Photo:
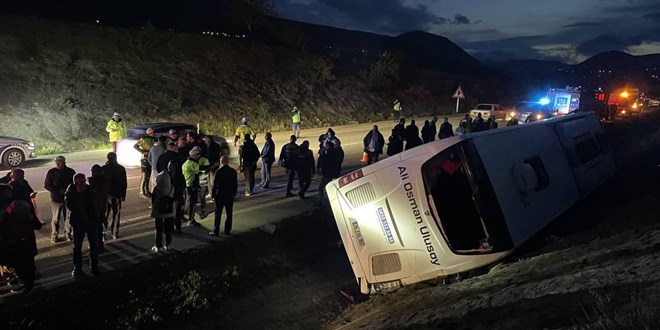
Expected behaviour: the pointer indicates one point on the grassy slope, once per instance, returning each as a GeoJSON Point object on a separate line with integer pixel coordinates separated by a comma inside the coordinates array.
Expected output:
{"type": "Point", "coordinates": [60, 82]}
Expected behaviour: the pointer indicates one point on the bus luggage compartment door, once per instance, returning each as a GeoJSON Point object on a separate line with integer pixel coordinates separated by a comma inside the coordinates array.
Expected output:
{"type": "Point", "coordinates": [587, 152]}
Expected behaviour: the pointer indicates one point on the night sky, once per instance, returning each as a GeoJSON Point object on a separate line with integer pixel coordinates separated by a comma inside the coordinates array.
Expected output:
{"type": "Point", "coordinates": [565, 30]}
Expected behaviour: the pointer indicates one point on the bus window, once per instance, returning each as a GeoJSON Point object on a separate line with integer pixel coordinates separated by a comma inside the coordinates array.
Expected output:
{"type": "Point", "coordinates": [468, 213]}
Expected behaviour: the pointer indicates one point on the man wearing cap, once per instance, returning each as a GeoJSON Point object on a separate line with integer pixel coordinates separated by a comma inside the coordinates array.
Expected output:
{"type": "Point", "coordinates": [116, 130]}
{"type": "Point", "coordinates": [239, 138]}
{"type": "Point", "coordinates": [174, 136]}
{"type": "Point", "coordinates": [57, 180]}
{"type": "Point", "coordinates": [191, 170]}
{"type": "Point", "coordinates": [295, 122]}
{"type": "Point", "coordinates": [143, 146]}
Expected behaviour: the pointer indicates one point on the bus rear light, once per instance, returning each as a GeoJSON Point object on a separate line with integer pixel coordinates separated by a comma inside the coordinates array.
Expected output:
{"type": "Point", "coordinates": [350, 177]}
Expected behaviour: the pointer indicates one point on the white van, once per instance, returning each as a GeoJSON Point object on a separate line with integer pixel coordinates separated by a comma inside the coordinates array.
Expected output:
{"type": "Point", "coordinates": [458, 204]}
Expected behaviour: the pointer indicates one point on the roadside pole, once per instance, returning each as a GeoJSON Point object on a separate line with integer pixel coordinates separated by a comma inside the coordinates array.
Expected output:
{"type": "Point", "coordinates": [458, 95]}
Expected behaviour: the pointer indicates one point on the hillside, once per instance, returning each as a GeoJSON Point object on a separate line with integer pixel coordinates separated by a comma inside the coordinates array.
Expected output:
{"type": "Point", "coordinates": [60, 83]}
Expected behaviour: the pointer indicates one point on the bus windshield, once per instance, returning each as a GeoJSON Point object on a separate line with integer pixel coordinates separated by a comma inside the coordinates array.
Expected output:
{"type": "Point", "coordinates": [468, 213]}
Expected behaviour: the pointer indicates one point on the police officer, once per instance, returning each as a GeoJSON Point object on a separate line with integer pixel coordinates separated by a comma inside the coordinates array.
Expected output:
{"type": "Point", "coordinates": [295, 119]}
{"type": "Point", "coordinates": [143, 146]}
{"type": "Point", "coordinates": [191, 172]}
{"type": "Point", "coordinates": [239, 138]}
{"type": "Point", "coordinates": [116, 129]}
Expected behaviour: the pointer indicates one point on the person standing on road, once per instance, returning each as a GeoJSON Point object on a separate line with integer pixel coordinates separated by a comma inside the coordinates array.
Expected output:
{"type": "Point", "coordinates": [143, 146]}
{"type": "Point", "coordinates": [373, 144]}
{"type": "Point", "coordinates": [427, 132]}
{"type": "Point", "coordinates": [330, 164]}
{"type": "Point", "coordinates": [191, 174]}
{"type": "Point", "coordinates": [446, 130]}
{"type": "Point", "coordinates": [225, 188]}
{"type": "Point", "coordinates": [155, 152]}
{"type": "Point", "coordinates": [492, 124]}
{"type": "Point", "coordinates": [267, 160]}
{"type": "Point", "coordinates": [396, 110]}
{"type": "Point", "coordinates": [177, 181]}
{"type": "Point", "coordinates": [99, 185]}
{"type": "Point", "coordinates": [117, 186]}
{"type": "Point", "coordinates": [85, 220]}
{"type": "Point", "coordinates": [305, 168]}
{"type": "Point", "coordinates": [239, 138]}
{"type": "Point", "coordinates": [163, 207]}
{"type": "Point", "coordinates": [213, 155]}
{"type": "Point", "coordinates": [477, 123]}
{"type": "Point", "coordinates": [433, 128]}
{"type": "Point", "coordinates": [18, 222]}
{"type": "Point", "coordinates": [57, 180]}
{"type": "Point", "coordinates": [288, 158]}
{"type": "Point", "coordinates": [412, 135]}
{"type": "Point", "coordinates": [295, 119]}
{"type": "Point", "coordinates": [116, 129]}
{"type": "Point", "coordinates": [250, 157]}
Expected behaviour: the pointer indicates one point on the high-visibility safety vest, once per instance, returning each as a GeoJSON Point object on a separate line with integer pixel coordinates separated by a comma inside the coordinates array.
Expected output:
{"type": "Point", "coordinates": [190, 169]}
{"type": "Point", "coordinates": [116, 130]}
{"type": "Point", "coordinates": [397, 106]}
{"type": "Point", "coordinates": [242, 130]}
{"type": "Point", "coordinates": [296, 117]}
{"type": "Point", "coordinates": [145, 144]}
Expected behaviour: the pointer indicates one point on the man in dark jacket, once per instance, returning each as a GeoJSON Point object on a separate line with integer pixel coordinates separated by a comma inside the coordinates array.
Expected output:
{"type": "Point", "coordinates": [445, 129]}
{"type": "Point", "coordinates": [427, 132]}
{"type": "Point", "coordinates": [213, 155]}
{"type": "Point", "coordinates": [57, 180]}
{"type": "Point", "coordinates": [330, 164]}
{"type": "Point", "coordinates": [412, 136]}
{"type": "Point", "coordinates": [85, 220]}
{"type": "Point", "coordinates": [288, 158]}
{"type": "Point", "coordinates": [250, 157]}
{"type": "Point", "coordinates": [399, 130]}
{"type": "Point", "coordinates": [305, 168]}
{"type": "Point", "coordinates": [267, 160]}
{"type": "Point", "coordinates": [117, 185]}
{"type": "Point", "coordinates": [373, 144]}
{"type": "Point", "coordinates": [19, 223]}
{"type": "Point", "coordinates": [225, 188]}
{"type": "Point", "coordinates": [434, 129]}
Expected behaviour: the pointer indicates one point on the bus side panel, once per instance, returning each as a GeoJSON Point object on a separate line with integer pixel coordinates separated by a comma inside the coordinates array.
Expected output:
{"type": "Point", "coordinates": [527, 212]}
{"type": "Point", "coordinates": [591, 161]}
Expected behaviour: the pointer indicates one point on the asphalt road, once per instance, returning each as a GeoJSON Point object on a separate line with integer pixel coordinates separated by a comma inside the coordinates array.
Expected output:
{"type": "Point", "coordinates": [54, 261]}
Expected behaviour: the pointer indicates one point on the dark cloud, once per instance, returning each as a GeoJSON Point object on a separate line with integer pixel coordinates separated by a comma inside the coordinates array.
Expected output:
{"type": "Point", "coordinates": [582, 24]}
{"type": "Point", "coordinates": [384, 16]}
{"type": "Point", "coordinates": [460, 19]}
{"type": "Point", "coordinates": [606, 43]}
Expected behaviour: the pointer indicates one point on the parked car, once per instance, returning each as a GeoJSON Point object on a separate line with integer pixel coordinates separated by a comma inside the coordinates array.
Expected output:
{"type": "Point", "coordinates": [128, 156]}
{"type": "Point", "coordinates": [488, 110]}
{"type": "Point", "coordinates": [14, 151]}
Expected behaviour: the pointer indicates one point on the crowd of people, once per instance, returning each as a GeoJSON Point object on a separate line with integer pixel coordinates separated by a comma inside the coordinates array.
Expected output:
{"type": "Point", "coordinates": [177, 174]}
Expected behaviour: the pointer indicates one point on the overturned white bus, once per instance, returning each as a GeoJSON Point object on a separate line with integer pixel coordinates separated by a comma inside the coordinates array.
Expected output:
{"type": "Point", "coordinates": [461, 203]}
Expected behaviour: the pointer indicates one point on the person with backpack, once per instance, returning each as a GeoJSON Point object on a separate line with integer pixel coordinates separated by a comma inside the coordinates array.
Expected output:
{"type": "Point", "coordinates": [163, 207]}
{"type": "Point", "coordinates": [288, 158]}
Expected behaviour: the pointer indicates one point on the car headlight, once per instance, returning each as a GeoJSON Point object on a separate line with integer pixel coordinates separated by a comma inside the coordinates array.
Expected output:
{"type": "Point", "coordinates": [539, 117]}
{"type": "Point", "coordinates": [513, 114]}
{"type": "Point", "coordinates": [30, 145]}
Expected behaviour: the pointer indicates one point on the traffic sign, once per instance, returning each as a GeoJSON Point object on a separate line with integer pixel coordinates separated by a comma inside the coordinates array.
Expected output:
{"type": "Point", "coordinates": [458, 94]}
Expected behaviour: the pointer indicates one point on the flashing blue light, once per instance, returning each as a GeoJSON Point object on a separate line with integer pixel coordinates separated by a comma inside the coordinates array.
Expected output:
{"type": "Point", "coordinates": [544, 101]}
